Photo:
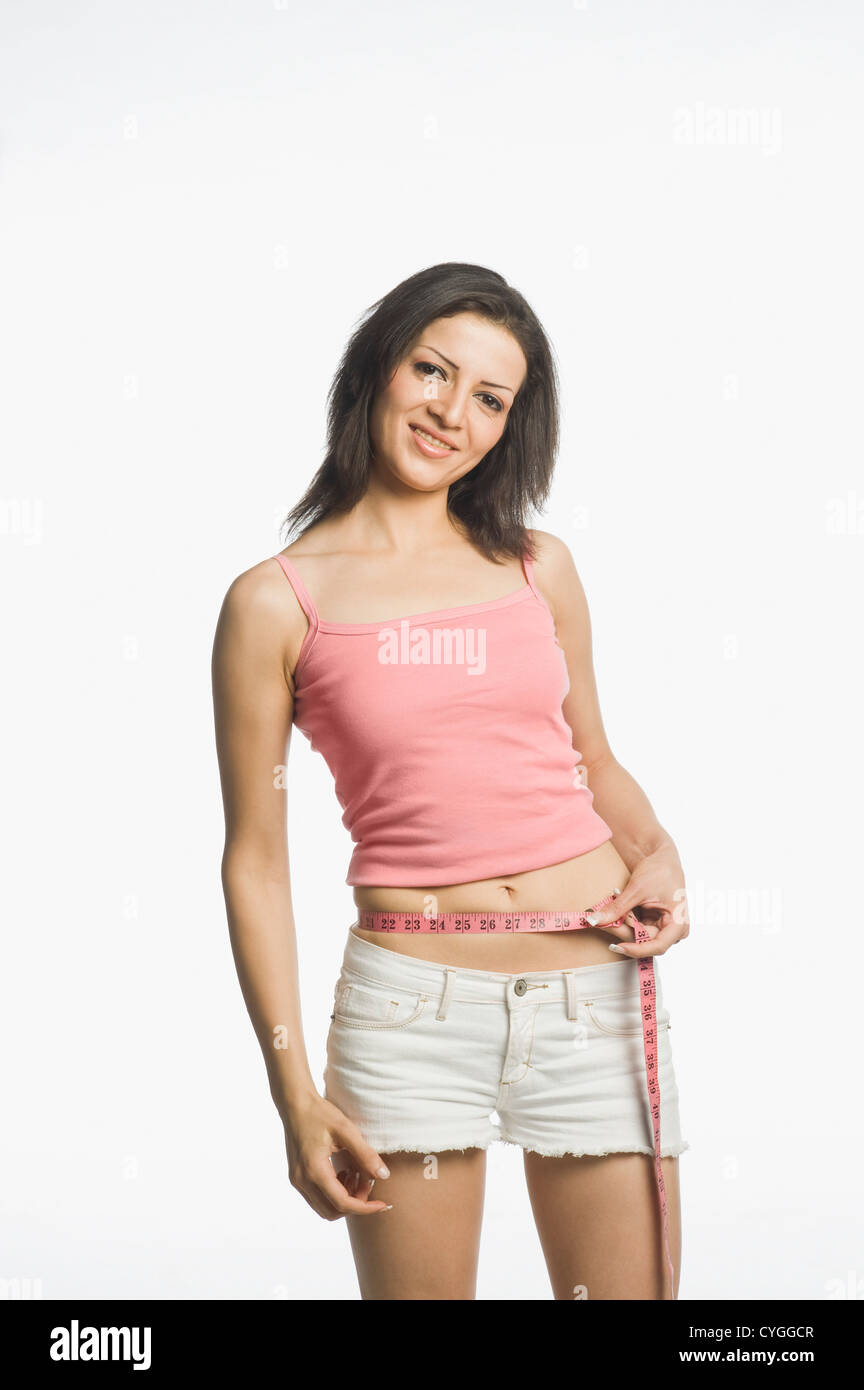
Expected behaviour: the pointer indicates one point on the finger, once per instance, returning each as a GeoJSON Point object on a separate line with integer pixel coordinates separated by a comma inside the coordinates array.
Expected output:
{"type": "Point", "coordinates": [621, 904]}
{"type": "Point", "coordinates": [356, 1183]}
{"type": "Point", "coordinates": [626, 931]}
{"type": "Point", "coordinates": [319, 1204]}
{"type": "Point", "coordinates": [666, 937]}
{"type": "Point", "coordinates": [361, 1186]}
{"type": "Point", "coordinates": [328, 1187]}
{"type": "Point", "coordinates": [363, 1158]}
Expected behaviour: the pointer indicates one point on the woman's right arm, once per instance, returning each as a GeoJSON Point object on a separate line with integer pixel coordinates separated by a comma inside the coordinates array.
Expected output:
{"type": "Point", "coordinates": [258, 636]}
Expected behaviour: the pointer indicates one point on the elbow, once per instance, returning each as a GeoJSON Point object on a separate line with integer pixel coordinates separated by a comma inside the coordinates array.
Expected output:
{"type": "Point", "coordinates": [598, 760]}
{"type": "Point", "coordinates": [245, 863]}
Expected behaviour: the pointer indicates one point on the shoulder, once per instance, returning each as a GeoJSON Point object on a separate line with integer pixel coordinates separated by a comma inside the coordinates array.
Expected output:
{"type": "Point", "coordinates": [549, 549]}
{"type": "Point", "coordinates": [260, 608]}
{"type": "Point", "coordinates": [554, 565]}
{"type": "Point", "coordinates": [258, 591]}
{"type": "Point", "coordinates": [557, 578]}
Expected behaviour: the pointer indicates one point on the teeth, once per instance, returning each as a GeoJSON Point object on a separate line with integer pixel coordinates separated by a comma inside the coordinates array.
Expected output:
{"type": "Point", "coordinates": [431, 438]}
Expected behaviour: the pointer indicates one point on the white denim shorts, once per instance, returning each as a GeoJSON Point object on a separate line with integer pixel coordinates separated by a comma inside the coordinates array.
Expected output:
{"type": "Point", "coordinates": [426, 1057]}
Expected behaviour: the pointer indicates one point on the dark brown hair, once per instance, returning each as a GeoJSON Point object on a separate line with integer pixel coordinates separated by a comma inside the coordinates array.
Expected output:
{"type": "Point", "coordinates": [492, 500]}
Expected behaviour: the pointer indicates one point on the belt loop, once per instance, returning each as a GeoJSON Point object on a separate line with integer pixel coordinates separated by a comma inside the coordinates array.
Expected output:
{"type": "Point", "coordinates": [447, 994]}
{"type": "Point", "coordinates": [572, 1001]}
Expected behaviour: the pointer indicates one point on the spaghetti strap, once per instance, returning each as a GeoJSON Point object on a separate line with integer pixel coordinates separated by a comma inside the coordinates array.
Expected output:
{"type": "Point", "coordinates": [302, 593]}
{"type": "Point", "coordinates": [528, 566]}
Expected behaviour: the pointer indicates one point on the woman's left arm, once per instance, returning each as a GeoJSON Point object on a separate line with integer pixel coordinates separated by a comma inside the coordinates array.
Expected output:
{"type": "Point", "coordinates": [656, 884]}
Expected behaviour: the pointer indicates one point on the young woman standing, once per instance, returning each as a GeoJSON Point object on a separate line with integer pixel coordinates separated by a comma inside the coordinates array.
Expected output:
{"type": "Point", "coordinates": [438, 653]}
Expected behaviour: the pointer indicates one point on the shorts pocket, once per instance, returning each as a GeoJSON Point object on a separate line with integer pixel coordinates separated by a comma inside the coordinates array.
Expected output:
{"type": "Point", "coordinates": [621, 1014]}
{"type": "Point", "coordinates": [367, 1004]}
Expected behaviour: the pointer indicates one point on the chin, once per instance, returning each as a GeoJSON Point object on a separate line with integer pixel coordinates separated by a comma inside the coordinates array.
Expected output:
{"type": "Point", "coordinates": [420, 479]}
{"type": "Point", "coordinates": [419, 484]}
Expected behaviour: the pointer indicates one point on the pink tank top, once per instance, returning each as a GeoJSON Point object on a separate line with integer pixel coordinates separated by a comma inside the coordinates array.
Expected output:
{"type": "Point", "coordinates": [446, 740]}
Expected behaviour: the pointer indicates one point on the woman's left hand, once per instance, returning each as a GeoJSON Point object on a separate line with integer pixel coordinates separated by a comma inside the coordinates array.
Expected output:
{"type": "Point", "coordinates": [656, 887]}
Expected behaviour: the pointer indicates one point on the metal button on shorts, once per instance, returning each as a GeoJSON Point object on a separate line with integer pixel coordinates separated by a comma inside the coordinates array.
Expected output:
{"type": "Point", "coordinates": [520, 987]}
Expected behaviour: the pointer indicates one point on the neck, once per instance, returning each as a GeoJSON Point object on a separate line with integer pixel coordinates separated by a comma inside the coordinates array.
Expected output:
{"type": "Point", "coordinates": [405, 521]}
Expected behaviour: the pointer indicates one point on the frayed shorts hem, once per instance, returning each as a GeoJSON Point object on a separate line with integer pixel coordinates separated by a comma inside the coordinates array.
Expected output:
{"type": "Point", "coordinates": [548, 1151]}
{"type": "Point", "coordinates": [391, 1144]}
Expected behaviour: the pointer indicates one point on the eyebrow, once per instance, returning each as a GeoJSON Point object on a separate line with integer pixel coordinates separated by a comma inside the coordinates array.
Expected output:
{"type": "Point", "coordinates": [497, 386]}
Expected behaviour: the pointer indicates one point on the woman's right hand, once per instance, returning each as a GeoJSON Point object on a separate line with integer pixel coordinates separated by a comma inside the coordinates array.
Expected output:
{"type": "Point", "coordinates": [314, 1130]}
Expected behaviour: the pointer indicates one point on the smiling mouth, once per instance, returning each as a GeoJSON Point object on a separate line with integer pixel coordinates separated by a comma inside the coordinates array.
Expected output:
{"type": "Point", "coordinates": [433, 439]}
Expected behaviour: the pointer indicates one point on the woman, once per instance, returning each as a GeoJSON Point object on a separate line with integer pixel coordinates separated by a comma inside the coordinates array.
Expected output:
{"type": "Point", "coordinates": [438, 654]}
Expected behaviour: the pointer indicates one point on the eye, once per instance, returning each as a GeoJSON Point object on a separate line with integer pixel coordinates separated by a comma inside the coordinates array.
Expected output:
{"type": "Point", "coordinates": [492, 402]}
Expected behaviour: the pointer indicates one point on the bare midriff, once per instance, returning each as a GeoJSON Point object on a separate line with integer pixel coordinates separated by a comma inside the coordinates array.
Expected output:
{"type": "Point", "coordinates": [572, 886]}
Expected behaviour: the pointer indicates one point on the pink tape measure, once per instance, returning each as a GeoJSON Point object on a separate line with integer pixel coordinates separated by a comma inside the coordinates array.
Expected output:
{"type": "Point", "coordinates": [480, 923]}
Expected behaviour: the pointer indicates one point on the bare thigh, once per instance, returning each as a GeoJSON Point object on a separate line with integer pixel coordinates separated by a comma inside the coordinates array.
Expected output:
{"type": "Point", "coordinates": [600, 1226]}
{"type": "Point", "coordinates": [428, 1246]}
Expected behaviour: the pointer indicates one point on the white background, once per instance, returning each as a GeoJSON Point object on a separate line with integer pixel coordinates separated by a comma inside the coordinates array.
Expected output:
{"type": "Point", "coordinates": [198, 202]}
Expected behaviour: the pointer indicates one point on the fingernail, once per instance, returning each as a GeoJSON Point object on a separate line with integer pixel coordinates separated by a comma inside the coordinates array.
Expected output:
{"type": "Point", "coordinates": [388, 1208]}
{"type": "Point", "coordinates": [592, 918]}
{"type": "Point", "coordinates": [383, 1172]}
{"type": "Point", "coordinates": [618, 948]}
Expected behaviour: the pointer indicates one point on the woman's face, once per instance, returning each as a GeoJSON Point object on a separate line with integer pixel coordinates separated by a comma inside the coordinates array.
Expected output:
{"type": "Point", "coordinates": [458, 383]}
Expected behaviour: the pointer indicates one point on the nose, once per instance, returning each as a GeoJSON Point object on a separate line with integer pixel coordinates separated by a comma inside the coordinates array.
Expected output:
{"type": "Point", "coordinates": [449, 407]}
